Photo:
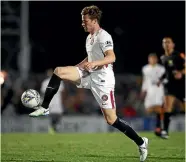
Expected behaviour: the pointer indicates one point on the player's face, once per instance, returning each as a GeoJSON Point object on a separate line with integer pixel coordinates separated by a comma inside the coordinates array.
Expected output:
{"type": "Point", "coordinates": [152, 60]}
{"type": "Point", "coordinates": [87, 23]}
{"type": "Point", "coordinates": [168, 44]}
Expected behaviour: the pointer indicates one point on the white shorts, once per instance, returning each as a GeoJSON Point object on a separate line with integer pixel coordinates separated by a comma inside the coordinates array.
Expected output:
{"type": "Point", "coordinates": [104, 95]}
{"type": "Point", "coordinates": [155, 97]}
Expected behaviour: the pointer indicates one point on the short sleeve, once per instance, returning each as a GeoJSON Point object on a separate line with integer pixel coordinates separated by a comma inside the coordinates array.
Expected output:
{"type": "Point", "coordinates": [106, 42]}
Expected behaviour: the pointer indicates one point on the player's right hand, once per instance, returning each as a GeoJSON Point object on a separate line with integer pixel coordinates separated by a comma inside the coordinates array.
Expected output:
{"type": "Point", "coordinates": [89, 66]}
{"type": "Point", "coordinates": [177, 75]}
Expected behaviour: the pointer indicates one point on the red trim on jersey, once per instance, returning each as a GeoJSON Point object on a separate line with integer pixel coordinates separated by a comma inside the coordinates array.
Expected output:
{"type": "Point", "coordinates": [112, 99]}
{"type": "Point", "coordinates": [106, 65]}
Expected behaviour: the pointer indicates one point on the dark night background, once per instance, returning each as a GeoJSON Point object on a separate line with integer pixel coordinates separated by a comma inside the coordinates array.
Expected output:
{"type": "Point", "coordinates": [57, 37]}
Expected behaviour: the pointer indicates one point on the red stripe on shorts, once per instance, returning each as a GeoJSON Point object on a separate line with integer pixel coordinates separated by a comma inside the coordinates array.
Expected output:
{"type": "Point", "coordinates": [112, 99]}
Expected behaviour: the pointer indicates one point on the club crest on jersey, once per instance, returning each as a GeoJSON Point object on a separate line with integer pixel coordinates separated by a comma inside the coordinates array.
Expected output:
{"type": "Point", "coordinates": [92, 41]}
{"type": "Point", "coordinates": [104, 97]}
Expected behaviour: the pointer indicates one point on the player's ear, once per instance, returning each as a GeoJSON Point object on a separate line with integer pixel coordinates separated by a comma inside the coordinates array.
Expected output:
{"type": "Point", "coordinates": [95, 20]}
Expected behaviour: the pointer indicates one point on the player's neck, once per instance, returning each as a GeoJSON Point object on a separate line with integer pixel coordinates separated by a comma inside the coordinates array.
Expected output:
{"type": "Point", "coordinates": [169, 52]}
{"type": "Point", "coordinates": [153, 65]}
{"type": "Point", "coordinates": [96, 28]}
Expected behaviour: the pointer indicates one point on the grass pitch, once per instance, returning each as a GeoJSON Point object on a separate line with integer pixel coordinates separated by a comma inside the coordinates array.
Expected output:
{"type": "Point", "coordinates": [110, 147]}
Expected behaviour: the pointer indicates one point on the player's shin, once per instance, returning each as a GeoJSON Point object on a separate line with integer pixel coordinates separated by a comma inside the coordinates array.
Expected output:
{"type": "Point", "coordinates": [124, 127]}
{"type": "Point", "coordinates": [51, 90]}
{"type": "Point", "coordinates": [167, 121]}
{"type": "Point", "coordinates": [159, 120]}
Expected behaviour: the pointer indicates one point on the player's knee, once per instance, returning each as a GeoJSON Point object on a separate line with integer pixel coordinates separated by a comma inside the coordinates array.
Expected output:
{"type": "Point", "coordinates": [59, 71]}
{"type": "Point", "coordinates": [110, 120]}
{"type": "Point", "coordinates": [56, 71]}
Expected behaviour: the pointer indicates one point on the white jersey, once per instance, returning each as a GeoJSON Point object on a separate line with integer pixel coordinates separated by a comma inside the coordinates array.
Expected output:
{"type": "Point", "coordinates": [56, 105]}
{"type": "Point", "coordinates": [151, 75]}
{"type": "Point", "coordinates": [96, 45]}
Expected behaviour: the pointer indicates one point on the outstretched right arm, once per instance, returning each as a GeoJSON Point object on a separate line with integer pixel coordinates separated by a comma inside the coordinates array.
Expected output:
{"type": "Point", "coordinates": [82, 63]}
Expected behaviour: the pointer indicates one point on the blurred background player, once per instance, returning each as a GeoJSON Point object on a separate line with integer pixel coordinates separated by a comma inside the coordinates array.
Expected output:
{"type": "Point", "coordinates": [153, 91]}
{"type": "Point", "coordinates": [7, 92]}
{"type": "Point", "coordinates": [174, 63]}
{"type": "Point", "coordinates": [57, 103]}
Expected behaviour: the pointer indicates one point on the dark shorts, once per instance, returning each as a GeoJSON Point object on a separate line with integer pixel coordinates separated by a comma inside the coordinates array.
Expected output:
{"type": "Point", "coordinates": [176, 88]}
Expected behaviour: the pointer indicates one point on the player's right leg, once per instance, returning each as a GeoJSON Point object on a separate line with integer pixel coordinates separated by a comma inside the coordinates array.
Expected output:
{"type": "Point", "coordinates": [69, 73]}
{"type": "Point", "coordinates": [168, 106]}
{"type": "Point", "coordinates": [174, 90]}
{"type": "Point", "coordinates": [105, 98]}
{"type": "Point", "coordinates": [158, 110]}
{"type": "Point", "coordinates": [120, 124]}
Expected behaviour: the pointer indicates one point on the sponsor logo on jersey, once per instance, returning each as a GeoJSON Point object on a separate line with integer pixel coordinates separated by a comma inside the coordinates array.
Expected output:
{"type": "Point", "coordinates": [108, 44]}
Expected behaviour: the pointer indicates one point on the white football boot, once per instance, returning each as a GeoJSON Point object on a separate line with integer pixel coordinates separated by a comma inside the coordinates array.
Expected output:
{"type": "Point", "coordinates": [40, 112]}
{"type": "Point", "coordinates": [143, 149]}
{"type": "Point", "coordinates": [164, 135]}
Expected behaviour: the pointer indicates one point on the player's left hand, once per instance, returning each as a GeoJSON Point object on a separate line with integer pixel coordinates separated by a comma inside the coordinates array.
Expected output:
{"type": "Point", "coordinates": [177, 74]}
{"type": "Point", "coordinates": [90, 65]}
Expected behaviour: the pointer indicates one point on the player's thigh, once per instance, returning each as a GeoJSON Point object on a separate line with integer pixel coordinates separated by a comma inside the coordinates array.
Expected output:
{"type": "Point", "coordinates": [69, 73]}
{"type": "Point", "coordinates": [153, 109]}
{"type": "Point", "coordinates": [181, 105]}
{"type": "Point", "coordinates": [106, 100]}
{"type": "Point", "coordinates": [169, 103]}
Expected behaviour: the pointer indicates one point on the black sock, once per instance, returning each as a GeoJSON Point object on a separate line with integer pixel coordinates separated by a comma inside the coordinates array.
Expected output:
{"type": "Point", "coordinates": [128, 131]}
{"type": "Point", "coordinates": [157, 120]}
{"type": "Point", "coordinates": [166, 121]}
{"type": "Point", "coordinates": [51, 90]}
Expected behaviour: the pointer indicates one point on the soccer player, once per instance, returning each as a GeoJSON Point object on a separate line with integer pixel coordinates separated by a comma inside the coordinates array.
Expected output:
{"type": "Point", "coordinates": [56, 106]}
{"type": "Point", "coordinates": [95, 72]}
{"type": "Point", "coordinates": [153, 90]}
{"type": "Point", "coordinates": [174, 63]}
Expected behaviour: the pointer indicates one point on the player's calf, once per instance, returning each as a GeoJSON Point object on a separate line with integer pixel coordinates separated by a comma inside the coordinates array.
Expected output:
{"type": "Point", "coordinates": [158, 110]}
{"type": "Point", "coordinates": [120, 124]}
{"type": "Point", "coordinates": [123, 126]}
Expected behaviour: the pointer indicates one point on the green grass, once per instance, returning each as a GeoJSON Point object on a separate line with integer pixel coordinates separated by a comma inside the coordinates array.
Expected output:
{"type": "Point", "coordinates": [113, 147]}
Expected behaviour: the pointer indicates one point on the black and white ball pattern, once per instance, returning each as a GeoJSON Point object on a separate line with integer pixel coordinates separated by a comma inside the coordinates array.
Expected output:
{"type": "Point", "coordinates": [30, 98]}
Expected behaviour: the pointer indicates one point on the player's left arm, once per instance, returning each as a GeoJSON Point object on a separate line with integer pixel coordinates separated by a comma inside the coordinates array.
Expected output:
{"type": "Point", "coordinates": [107, 46]}
{"type": "Point", "coordinates": [162, 77]}
{"type": "Point", "coordinates": [178, 73]}
{"type": "Point", "coordinates": [182, 56]}
{"type": "Point", "coordinates": [108, 59]}
{"type": "Point", "coordinates": [144, 85]}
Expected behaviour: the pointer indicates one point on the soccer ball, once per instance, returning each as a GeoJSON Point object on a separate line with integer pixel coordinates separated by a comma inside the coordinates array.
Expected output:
{"type": "Point", "coordinates": [30, 98]}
